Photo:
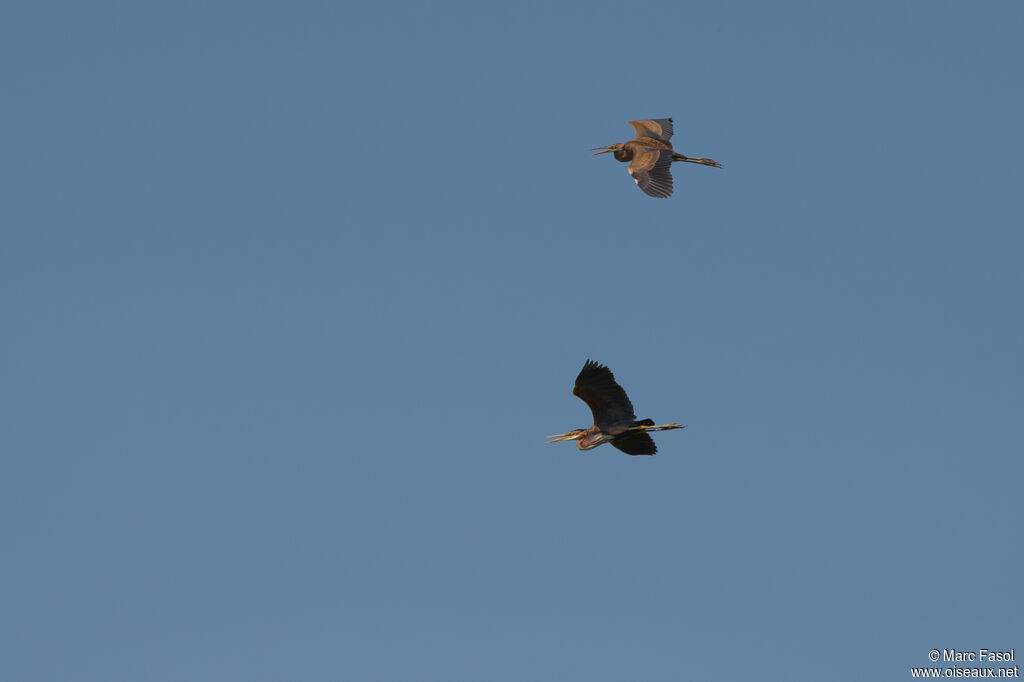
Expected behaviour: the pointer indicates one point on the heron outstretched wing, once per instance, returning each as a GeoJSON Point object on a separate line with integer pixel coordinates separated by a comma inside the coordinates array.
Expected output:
{"type": "Point", "coordinates": [652, 171]}
{"type": "Point", "coordinates": [636, 443]}
{"type": "Point", "coordinates": [658, 128]}
{"type": "Point", "coordinates": [609, 403]}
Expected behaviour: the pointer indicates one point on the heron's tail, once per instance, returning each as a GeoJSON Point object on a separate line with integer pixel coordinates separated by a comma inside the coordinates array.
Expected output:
{"type": "Point", "coordinates": [704, 162]}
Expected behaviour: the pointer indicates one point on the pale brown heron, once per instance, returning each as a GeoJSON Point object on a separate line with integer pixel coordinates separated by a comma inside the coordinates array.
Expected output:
{"type": "Point", "coordinates": [651, 156]}
{"type": "Point", "coordinates": [614, 419]}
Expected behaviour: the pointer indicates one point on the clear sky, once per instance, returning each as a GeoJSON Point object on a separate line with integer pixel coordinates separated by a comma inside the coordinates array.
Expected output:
{"type": "Point", "coordinates": [293, 292]}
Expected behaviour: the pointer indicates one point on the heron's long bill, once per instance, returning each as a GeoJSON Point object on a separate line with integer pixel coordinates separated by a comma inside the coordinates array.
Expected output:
{"type": "Point", "coordinates": [571, 435]}
{"type": "Point", "coordinates": [607, 149]}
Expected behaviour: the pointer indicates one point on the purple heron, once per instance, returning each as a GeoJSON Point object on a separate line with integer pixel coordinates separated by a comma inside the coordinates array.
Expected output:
{"type": "Point", "coordinates": [651, 156]}
{"type": "Point", "coordinates": [614, 419]}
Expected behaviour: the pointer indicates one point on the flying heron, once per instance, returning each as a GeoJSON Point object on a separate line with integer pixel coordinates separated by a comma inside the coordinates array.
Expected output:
{"type": "Point", "coordinates": [651, 155]}
{"type": "Point", "coordinates": [614, 419]}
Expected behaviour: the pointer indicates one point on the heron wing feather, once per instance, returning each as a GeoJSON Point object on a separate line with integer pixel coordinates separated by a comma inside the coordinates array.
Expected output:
{"type": "Point", "coordinates": [608, 402]}
{"type": "Point", "coordinates": [658, 128]}
{"type": "Point", "coordinates": [652, 171]}
{"type": "Point", "coordinates": [636, 443]}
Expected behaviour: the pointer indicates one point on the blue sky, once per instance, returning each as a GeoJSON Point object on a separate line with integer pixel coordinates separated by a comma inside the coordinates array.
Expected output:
{"type": "Point", "coordinates": [292, 296]}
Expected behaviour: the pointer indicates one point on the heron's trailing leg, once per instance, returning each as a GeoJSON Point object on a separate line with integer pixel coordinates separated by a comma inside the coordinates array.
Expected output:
{"type": "Point", "coordinates": [692, 159]}
{"type": "Point", "coordinates": [662, 427]}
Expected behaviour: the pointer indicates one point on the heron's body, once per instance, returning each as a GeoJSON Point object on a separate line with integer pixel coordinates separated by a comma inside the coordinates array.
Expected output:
{"type": "Point", "coordinates": [626, 438]}
{"type": "Point", "coordinates": [615, 421]}
{"type": "Point", "coordinates": [650, 156]}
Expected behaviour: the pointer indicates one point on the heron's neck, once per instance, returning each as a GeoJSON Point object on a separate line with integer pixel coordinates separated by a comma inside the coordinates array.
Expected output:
{"type": "Point", "coordinates": [592, 438]}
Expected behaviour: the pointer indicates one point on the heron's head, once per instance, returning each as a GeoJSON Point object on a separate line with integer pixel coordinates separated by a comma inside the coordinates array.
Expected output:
{"type": "Point", "coordinates": [572, 435]}
{"type": "Point", "coordinates": [619, 150]}
{"type": "Point", "coordinates": [609, 148]}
